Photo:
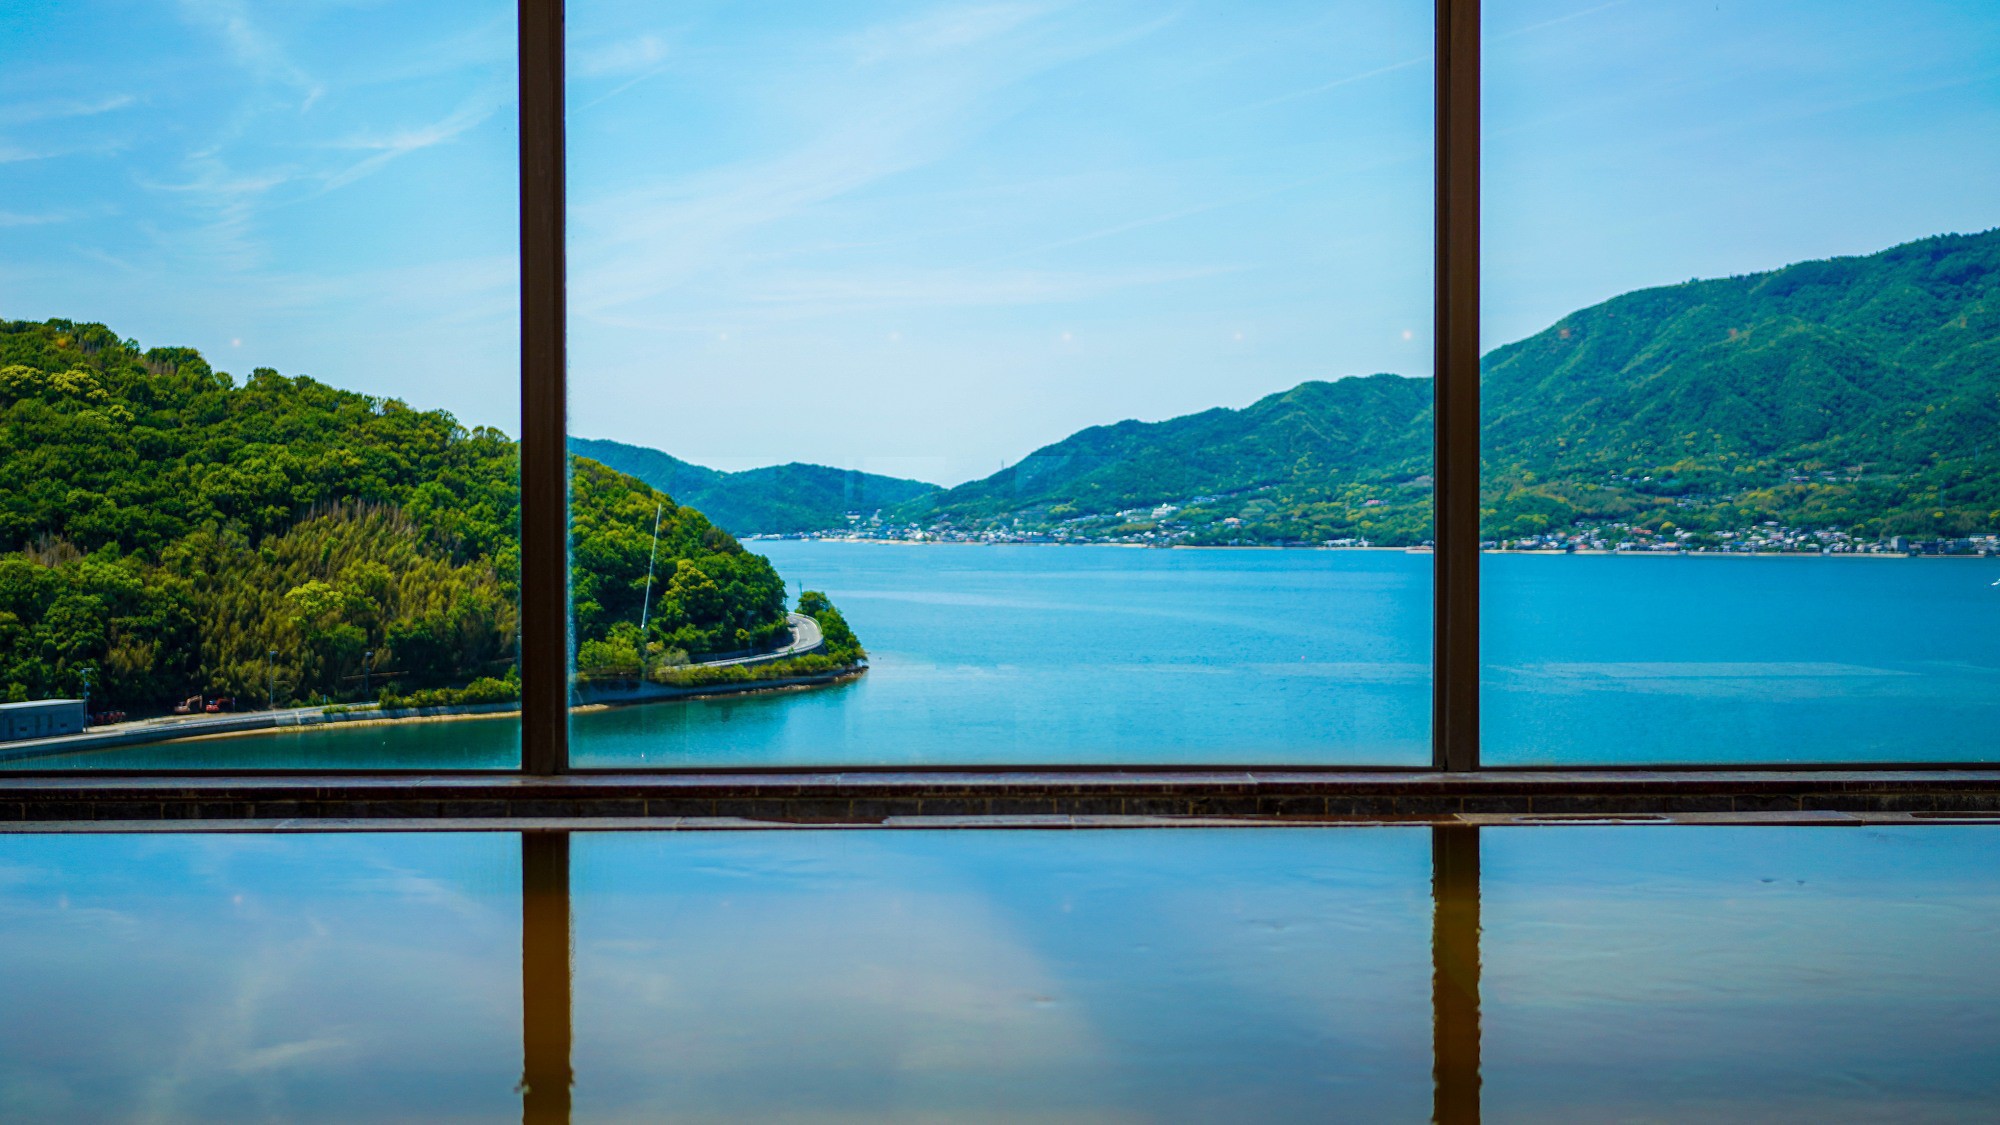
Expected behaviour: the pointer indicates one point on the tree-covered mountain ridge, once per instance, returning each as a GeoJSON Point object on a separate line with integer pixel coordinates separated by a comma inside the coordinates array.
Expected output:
{"type": "Point", "coordinates": [167, 531]}
{"type": "Point", "coordinates": [1842, 400]}
{"type": "Point", "coordinates": [774, 500]}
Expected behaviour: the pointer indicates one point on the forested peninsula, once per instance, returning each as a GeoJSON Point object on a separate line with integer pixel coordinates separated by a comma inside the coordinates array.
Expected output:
{"type": "Point", "coordinates": [166, 531]}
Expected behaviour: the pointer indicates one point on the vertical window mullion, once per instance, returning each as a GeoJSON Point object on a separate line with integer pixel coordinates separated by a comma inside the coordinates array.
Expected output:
{"type": "Point", "coordinates": [1455, 651]}
{"type": "Point", "coordinates": [544, 397]}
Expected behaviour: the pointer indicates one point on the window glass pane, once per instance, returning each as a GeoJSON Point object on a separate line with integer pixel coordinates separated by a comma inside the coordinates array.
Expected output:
{"type": "Point", "coordinates": [880, 289]}
{"type": "Point", "coordinates": [263, 263]}
{"type": "Point", "coordinates": [1743, 295]}
{"type": "Point", "coordinates": [1739, 974]}
{"type": "Point", "coordinates": [1172, 975]}
{"type": "Point", "coordinates": [247, 977]}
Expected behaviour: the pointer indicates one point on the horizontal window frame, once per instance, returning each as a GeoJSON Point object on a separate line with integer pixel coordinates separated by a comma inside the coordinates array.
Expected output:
{"type": "Point", "coordinates": [780, 775]}
{"type": "Point", "coordinates": [1024, 798]}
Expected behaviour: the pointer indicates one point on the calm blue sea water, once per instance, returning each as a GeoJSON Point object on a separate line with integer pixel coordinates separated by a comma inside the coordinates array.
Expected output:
{"type": "Point", "coordinates": [1633, 659]}
{"type": "Point", "coordinates": [1028, 654]}
{"type": "Point", "coordinates": [1076, 654]}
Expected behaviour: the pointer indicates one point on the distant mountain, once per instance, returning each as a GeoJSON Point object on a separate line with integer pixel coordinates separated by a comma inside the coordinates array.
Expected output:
{"type": "Point", "coordinates": [1860, 393]}
{"type": "Point", "coordinates": [1327, 433]}
{"type": "Point", "coordinates": [778, 499]}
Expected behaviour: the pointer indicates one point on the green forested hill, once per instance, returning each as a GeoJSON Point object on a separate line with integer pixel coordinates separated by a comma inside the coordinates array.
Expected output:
{"type": "Point", "coordinates": [1316, 430]}
{"type": "Point", "coordinates": [1858, 393]}
{"type": "Point", "coordinates": [775, 500]}
{"type": "Point", "coordinates": [1861, 394]}
{"type": "Point", "coordinates": [164, 528]}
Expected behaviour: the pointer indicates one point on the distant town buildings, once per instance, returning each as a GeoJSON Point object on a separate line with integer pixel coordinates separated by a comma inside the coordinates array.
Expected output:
{"type": "Point", "coordinates": [1765, 538]}
{"type": "Point", "coordinates": [1157, 526]}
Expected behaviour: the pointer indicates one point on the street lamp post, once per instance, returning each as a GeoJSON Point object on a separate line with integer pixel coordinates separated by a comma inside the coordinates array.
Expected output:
{"type": "Point", "coordinates": [367, 666]}
{"type": "Point", "coordinates": [646, 603]}
{"type": "Point", "coordinates": [86, 698]}
{"type": "Point", "coordinates": [271, 687]}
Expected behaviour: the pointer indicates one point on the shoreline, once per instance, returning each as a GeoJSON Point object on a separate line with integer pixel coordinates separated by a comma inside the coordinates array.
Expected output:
{"type": "Point", "coordinates": [474, 712]}
{"type": "Point", "coordinates": [448, 714]}
{"type": "Point", "coordinates": [265, 723]}
{"type": "Point", "coordinates": [1404, 550]}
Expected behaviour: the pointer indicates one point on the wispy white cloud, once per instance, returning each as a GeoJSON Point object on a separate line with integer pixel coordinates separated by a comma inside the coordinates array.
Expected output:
{"type": "Point", "coordinates": [383, 148]}
{"type": "Point", "coordinates": [932, 85]}
{"type": "Point", "coordinates": [224, 1032]}
{"type": "Point", "coordinates": [849, 291]}
{"type": "Point", "coordinates": [36, 219]}
{"type": "Point", "coordinates": [624, 60]}
{"type": "Point", "coordinates": [1553, 21]}
{"type": "Point", "coordinates": [658, 237]}
{"type": "Point", "coordinates": [1349, 80]}
{"type": "Point", "coordinates": [482, 47]}
{"type": "Point", "coordinates": [58, 109]}
{"type": "Point", "coordinates": [19, 154]}
{"type": "Point", "coordinates": [254, 49]}
{"type": "Point", "coordinates": [15, 154]}
{"type": "Point", "coordinates": [225, 206]}
{"type": "Point", "coordinates": [251, 161]}
{"type": "Point", "coordinates": [1154, 220]}
{"type": "Point", "coordinates": [98, 254]}
{"type": "Point", "coordinates": [218, 183]}
{"type": "Point", "coordinates": [621, 58]}
{"type": "Point", "coordinates": [942, 31]}
{"type": "Point", "coordinates": [281, 1056]}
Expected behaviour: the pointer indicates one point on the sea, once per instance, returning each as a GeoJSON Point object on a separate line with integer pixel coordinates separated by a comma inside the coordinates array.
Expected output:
{"type": "Point", "coordinates": [1064, 655]}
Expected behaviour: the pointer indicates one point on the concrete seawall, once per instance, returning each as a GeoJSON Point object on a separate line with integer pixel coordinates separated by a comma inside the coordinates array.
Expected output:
{"type": "Point", "coordinates": [142, 733]}
{"type": "Point", "coordinates": [587, 695]}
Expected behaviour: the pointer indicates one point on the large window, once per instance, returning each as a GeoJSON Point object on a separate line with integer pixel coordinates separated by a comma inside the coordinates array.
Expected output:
{"type": "Point", "coordinates": [940, 312]}
{"type": "Point", "coordinates": [911, 384]}
{"type": "Point", "coordinates": [259, 265]}
{"type": "Point", "coordinates": [1739, 445]}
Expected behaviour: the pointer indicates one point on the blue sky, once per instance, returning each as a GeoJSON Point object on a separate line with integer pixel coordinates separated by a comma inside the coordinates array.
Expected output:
{"type": "Point", "coordinates": [925, 238]}
{"type": "Point", "coordinates": [326, 188]}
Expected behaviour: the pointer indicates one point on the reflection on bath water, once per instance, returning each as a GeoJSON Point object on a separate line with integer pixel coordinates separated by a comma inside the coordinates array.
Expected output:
{"type": "Point", "coordinates": [1146, 976]}
{"type": "Point", "coordinates": [1667, 973]}
{"type": "Point", "coordinates": [233, 977]}
{"type": "Point", "coordinates": [1761, 974]}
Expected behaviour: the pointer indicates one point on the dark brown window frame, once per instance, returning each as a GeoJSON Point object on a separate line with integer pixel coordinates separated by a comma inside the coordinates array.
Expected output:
{"type": "Point", "coordinates": [1456, 783]}
{"type": "Point", "coordinates": [545, 627]}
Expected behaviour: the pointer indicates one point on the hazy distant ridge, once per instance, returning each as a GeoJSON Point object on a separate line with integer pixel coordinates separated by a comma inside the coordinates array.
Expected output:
{"type": "Point", "coordinates": [777, 499]}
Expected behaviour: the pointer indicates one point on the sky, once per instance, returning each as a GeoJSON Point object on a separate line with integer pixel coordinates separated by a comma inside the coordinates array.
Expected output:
{"type": "Point", "coordinates": [926, 238]}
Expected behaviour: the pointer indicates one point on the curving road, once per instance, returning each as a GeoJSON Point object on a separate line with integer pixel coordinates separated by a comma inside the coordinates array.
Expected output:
{"type": "Point", "coordinates": [805, 638]}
